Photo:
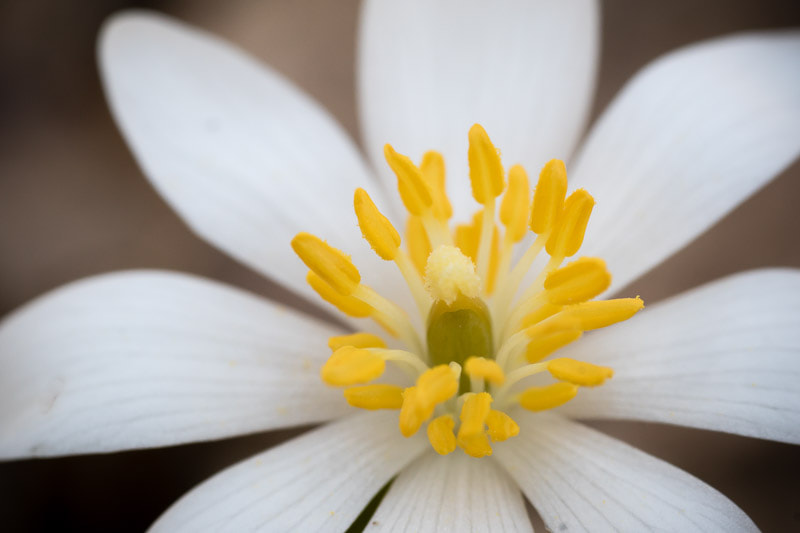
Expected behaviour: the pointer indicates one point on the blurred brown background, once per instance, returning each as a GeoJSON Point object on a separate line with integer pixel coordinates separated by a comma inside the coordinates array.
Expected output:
{"type": "Point", "coordinates": [73, 203]}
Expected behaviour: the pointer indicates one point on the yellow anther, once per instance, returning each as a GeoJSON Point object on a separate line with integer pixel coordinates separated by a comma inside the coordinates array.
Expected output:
{"type": "Point", "coordinates": [471, 435]}
{"type": "Point", "coordinates": [487, 369]}
{"type": "Point", "coordinates": [449, 273]}
{"type": "Point", "coordinates": [547, 397]}
{"type": "Point", "coordinates": [468, 236]}
{"type": "Point", "coordinates": [414, 192]}
{"type": "Point", "coordinates": [485, 169]}
{"type": "Point", "coordinates": [436, 385]}
{"type": "Point", "coordinates": [373, 397]}
{"type": "Point", "coordinates": [501, 426]}
{"type": "Point", "coordinates": [602, 313]}
{"type": "Point", "coordinates": [516, 204]}
{"type": "Point", "coordinates": [539, 314]}
{"type": "Point", "coordinates": [346, 304]}
{"type": "Point", "coordinates": [412, 413]}
{"type": "Point", "coordinates": [475, 444]}
{"type": "Point", "coordinates": [554, 324]}
{"type": "Point", "coordinates": [544, 345]}
{"type": "Point", "coordinates": [356, 340]}
{"type": "Point", "coordinates": [568, 233]}
{"type": "Point", "coordinates": [432, 168]}
{"type": "Point", "coordinates": [418, 244]}
{"type": "Point", "coordinates": [577, 282]}
{"type": "Point", "coordinates": [474, 412]}
{"type": "Point", "coordinates": [352, 366]}
{"type": "Point", "coordinates": [327, 262]}
{"type": "Point", "coordinates": [578, 372]}
{"type": "Point", "coordinates": [440, 434]}
{"type": "Point", "coordinates": [376, 228]}
{"type": "Point", "coordinates": [548, 199]}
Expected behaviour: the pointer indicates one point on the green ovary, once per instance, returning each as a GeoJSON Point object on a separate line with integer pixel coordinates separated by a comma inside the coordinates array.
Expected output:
{"type": "Point", "coordinates": [458, 331]}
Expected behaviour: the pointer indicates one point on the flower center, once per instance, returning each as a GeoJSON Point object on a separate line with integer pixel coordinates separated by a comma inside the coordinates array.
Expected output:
{"type": "Point", "coordinates": [487, 343]}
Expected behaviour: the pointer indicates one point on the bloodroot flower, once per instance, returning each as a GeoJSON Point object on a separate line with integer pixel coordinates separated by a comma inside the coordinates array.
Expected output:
{"type": "Point", "coordinates": [455, 392]}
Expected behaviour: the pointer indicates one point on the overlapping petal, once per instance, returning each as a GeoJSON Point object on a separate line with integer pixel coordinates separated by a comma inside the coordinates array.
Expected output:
{"type": "Point", "coordinates": [582, 480]}
{"type": "Point", "coordinates": [318, 482]}
{"type": "Point", "coordinates": [142, 359]}
{"type": "Point", "coordinates": [452, 494]}
{"type": "Point", "coordinates": [688, 138]}
{"type": "Point", "coordinates": [242, 155]}
{"type": "Point", "coordinates": [725, 356]}
{"type": "Point", "coordinates": [429, 70]}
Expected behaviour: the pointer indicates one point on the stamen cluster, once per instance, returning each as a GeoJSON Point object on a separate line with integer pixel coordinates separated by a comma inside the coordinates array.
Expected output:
{"type": "Point", "coordinates": [484, 344]}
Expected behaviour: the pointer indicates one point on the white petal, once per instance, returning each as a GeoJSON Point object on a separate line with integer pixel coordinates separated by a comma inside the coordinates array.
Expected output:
{"type": "Point", "coordinates": [582, 480]}
{"type": "Point", "coordinates": [725, 356]}
{"type": "Point", "coordinates": [244, 156]}
{"type": "Point", "coordinates": [141, 359]}
{"type": "Point", "coordinates": [452, 494]}
{"type": "Point", "coordinates": [689, 138]}
{"type": "Point", "coordinates": [428, 70]}
{"type": "Point", "coordinates": [318, 482]}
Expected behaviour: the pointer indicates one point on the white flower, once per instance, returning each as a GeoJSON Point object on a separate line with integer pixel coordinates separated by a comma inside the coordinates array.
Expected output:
{"type": "Point", "coordinates": [143, 359]}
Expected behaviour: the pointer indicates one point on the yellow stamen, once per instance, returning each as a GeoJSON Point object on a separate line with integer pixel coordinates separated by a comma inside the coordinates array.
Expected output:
{"type": "Point", "coordinates": [436, 386]}
{"type": "Point", "coordinates": [385, 241]}
{"type": "Point", "coordinates": [549, 335]}
{"type": "Point", "coordinates": [352, 366]}
{"type": "Point", "coordinates": [547, 397]}
{"type": "Point", "coordinates": [578, 372]}
{"type": "Point", "coordinates": [554, 324]}
{"type": "Point", "coordinates": [485, 169]}
{"type": "Point", "coordinates": [414, 192]}
{"type": "Point", "coordinates": [419, 247]}
{"type": "Point", "coordinates": [546, 211]}
{"type": "Point", "coordinates": [570, 228]}
{"type": "Point", "coordinates": [602, 313]}
{"type": "Point", "coordinates": [540, 313]}
{"type": "Point", "coordinates": [548, 199]}
{"type": "Point", "coordinates": [501, 426]}
{"type": "Point", "coordinates": [433, 173]}
{"type": "Point", "coordinates": [440, 434]}
{"type": "Point", "coordinates": [475, 444]}
{"type": "Point", "coordinates": [512, 347]}
{"type": "Point", "coordinates": [577, 282]}
{"type": "Point", "coordinates": [376, 228]}
{"type": "Point", "coordinates": [373, 397]}
{"type": "Point", "coordinates": [412, 413]}
{"type": "Point", "coordinates": [357, 340]}
{"type": "Point", "coordinates": [471, 435]}
{"type": "Point", "coordinates": [516, 203]}
{"type": "Point", "coordinates": [467, 237]}
{"type": "Point", "coordinates": [487, 369]}
{"type": "Point", "coordinates": [346, 304]}
{"type": "Point", "coordinates": [449, 273]}
{"type": "Point", "coordinates": [488, 181]}
{"type": "Point", "coordinates": [330, 264]}
{"type": "Point", "coordinates": [544, 345]}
